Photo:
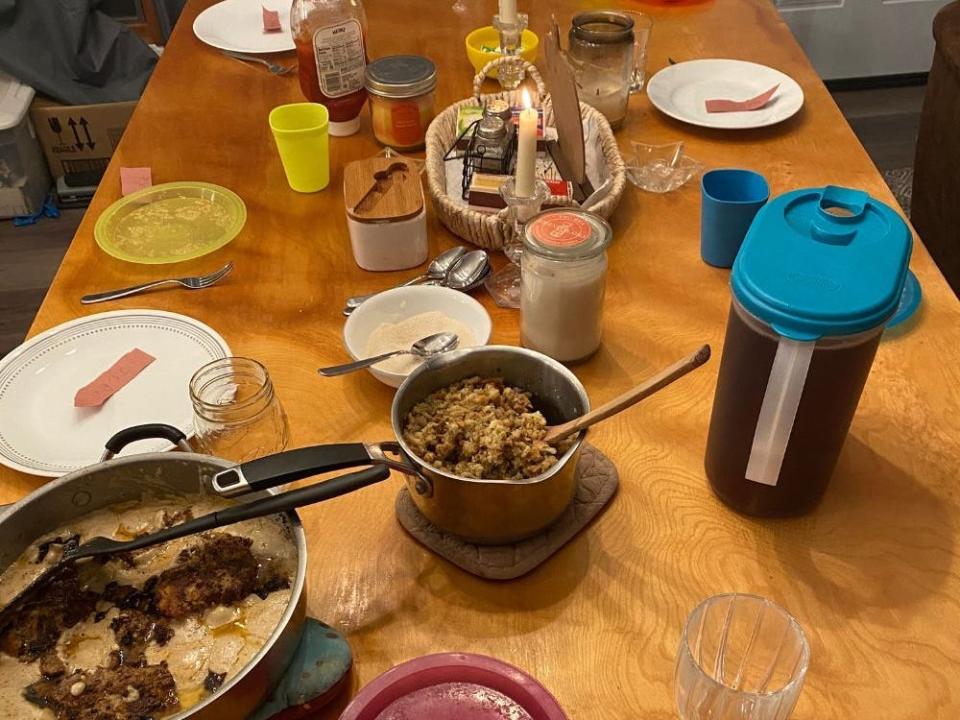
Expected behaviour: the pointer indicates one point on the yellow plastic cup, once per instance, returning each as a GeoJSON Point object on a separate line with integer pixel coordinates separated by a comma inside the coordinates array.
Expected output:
{"type": "Point", "coordinates": [301, 133]}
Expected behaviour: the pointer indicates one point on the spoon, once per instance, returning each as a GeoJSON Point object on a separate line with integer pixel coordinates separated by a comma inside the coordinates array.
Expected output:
{"type": "Point", "coordinates": [556, 433]}
{"type": "Point", "coordinates": [469, 271]}
{"type": "Point", "coordinates": [424, 347]}
{"type": "Point", "coordinates": [436, 270]}
{"type": "Point", "coordinates": [466, 274]}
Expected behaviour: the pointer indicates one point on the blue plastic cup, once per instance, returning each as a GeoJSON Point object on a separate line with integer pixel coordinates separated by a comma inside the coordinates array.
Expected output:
{"type": "Point", "coordinates": [730, 199]}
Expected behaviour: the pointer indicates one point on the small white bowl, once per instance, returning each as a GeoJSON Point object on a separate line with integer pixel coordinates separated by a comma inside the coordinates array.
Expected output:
{"type": "Point", "coordinates": [401, 303]}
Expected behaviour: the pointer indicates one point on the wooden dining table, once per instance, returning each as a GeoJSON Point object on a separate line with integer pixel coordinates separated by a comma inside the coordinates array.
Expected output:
{"type": "Point", "coordinates": [872, 575]}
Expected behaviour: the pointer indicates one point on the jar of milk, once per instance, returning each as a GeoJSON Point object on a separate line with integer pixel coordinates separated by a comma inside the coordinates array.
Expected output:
{"type": "Point", "coordinates": [564, 270]}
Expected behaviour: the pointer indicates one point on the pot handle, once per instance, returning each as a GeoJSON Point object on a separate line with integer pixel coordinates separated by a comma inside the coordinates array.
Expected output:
{"type": "Point", "coordinates": [285, 467]}
{"type": "Point", "coordinates": [147, 431]}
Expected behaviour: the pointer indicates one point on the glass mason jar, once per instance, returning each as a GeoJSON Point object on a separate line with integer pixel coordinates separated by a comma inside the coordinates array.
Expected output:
{"type": "Point", "coordinates": [236, 414]}
{"type": "Point", "coordinates": [402, 91]}
{"type": "Point", "coordinates": [564, 271]}
{"type": "Point", "coordinates": [608, 52]}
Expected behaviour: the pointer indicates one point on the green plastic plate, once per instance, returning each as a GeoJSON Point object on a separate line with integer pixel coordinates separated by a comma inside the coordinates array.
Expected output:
{"type": "Point", "coordinates": [170, 223]}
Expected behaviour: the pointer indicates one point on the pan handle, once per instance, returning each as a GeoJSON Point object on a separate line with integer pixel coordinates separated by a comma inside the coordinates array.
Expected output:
{"type": "Point", "coordinates": [147, 431]}
{"type": "Point", "coordinates": [285, 467]}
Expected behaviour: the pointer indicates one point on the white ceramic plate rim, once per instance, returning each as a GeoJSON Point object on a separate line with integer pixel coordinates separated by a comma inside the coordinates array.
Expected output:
{"type": "Point", "coordinates": [458, 296]}
{"type": "Point", "coordinates": [220, 43]}
{"type": "Point", "coordinates": [21, 353]}
{"type": "Point", "coordinates": [661, 86]}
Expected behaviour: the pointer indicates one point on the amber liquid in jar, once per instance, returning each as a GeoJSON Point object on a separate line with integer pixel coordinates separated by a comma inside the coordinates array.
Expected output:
{"type": "Point", "coordinates": [343, 108]}
{"type": "Point", "coordinates": [837, 374]}
{"type": "Point", "coordinates": [331, 41]}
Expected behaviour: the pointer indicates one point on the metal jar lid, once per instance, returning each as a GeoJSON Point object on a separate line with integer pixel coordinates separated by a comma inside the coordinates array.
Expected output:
{"type": "Point", "coordinates": [567, 234]}
{"type": "Point", "coordinates": [401, 76]}
{"type": "Point", "coordinates": [602, 27]}
{"type": "Point", "coordinates": [492, 128]}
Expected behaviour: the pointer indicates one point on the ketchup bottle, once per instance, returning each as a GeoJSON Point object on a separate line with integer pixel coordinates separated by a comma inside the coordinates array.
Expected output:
{"type": "Point", "coordinates": [331, 40]}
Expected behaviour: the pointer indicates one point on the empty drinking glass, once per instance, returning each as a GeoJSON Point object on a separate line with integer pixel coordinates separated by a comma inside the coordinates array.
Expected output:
{"type": "Point", "coordinates": [608, 53]}
{"type": "Point", "coordinates": [741, 657]}
{"type": "Point", "coordinates": [236, 414]}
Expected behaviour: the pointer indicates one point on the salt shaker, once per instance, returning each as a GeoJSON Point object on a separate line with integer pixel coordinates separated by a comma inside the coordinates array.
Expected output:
{"type": "Point", "coordinates": [564, 274]}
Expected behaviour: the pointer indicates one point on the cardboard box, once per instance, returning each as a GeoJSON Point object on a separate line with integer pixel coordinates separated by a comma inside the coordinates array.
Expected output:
{"type": "Point", "coordinates": [78, 140]}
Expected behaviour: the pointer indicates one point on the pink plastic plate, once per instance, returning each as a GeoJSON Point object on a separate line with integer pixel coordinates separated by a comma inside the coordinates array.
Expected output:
{"type": "Point", "coordinates": [454, 686]}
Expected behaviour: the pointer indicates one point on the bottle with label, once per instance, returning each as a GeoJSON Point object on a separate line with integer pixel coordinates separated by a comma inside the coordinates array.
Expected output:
{"type": "Point", "coordinates": [331, 40]}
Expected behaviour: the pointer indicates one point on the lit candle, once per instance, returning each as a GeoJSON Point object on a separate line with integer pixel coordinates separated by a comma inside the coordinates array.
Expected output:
{"type": "Point", "coordinates": [508, 11]}
{"type": "Point", "coordinates": [526, 149]}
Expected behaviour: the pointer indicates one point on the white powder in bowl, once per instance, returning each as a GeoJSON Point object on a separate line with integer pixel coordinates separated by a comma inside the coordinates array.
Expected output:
{"type": "Point", "coordinates": [401, 335]}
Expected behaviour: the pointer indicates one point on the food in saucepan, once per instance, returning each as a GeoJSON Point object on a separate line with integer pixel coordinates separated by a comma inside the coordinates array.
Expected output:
{"type": "Point", "coordinates": [481, 428]}
{"type": "Point", "coordinates": [145, 634]}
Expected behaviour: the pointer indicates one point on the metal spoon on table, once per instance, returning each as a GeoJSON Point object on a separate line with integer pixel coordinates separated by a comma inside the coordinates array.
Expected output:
{"type": "Point", "coordinates": [424, 347]}
{"type": "Point", "coordinates": [436, 270]}
{"type": "Point", "coordinates": [469, 271]}
{"type": "Point", "coordinates": [466, 275]}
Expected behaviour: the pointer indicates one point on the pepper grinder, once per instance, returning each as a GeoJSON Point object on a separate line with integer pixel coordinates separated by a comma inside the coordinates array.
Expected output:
{"type": "Point", "coordinates": [511, 27]}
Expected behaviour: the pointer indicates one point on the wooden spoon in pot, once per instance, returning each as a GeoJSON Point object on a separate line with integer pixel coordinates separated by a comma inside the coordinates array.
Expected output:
{"type": "Point", "coordinates": [556, 433]}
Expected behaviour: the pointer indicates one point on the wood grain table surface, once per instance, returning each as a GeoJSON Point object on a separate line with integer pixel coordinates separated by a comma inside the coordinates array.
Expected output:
{"type": "Point", "coordinates": [873, 574]}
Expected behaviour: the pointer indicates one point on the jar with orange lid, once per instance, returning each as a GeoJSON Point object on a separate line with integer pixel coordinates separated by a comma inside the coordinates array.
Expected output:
{"type": "Point", "coordinates": [402, 91]}
{"type": "Point", "coordinates": [564, 270]}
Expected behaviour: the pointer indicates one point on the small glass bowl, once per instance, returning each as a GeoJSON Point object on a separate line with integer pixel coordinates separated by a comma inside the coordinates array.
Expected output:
{"type": "Point", "coordinates": [661, 168]}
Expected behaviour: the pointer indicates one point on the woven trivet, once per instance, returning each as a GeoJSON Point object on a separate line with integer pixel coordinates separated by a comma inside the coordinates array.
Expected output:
{"type": "Point", "coordinates": [597, 483]}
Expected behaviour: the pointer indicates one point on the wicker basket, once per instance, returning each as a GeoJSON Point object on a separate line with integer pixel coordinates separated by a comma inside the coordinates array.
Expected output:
{"type": "Point", "coordinates": [486, 229]}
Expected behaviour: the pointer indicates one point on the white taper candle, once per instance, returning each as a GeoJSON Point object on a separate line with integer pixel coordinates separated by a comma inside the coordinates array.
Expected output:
{"type": "Point", "coordinates": [526, 149]}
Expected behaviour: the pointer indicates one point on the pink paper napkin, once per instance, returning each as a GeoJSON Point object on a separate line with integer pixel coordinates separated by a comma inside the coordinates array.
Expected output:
{"type": "Point", "coordinates": [134, 178]}
{"type": "Point", "coordinates": [271, 20]}
{"type": "Point", "coordinates": [114, 378]}
{"type": "Point", "coordinates": [754, 103]}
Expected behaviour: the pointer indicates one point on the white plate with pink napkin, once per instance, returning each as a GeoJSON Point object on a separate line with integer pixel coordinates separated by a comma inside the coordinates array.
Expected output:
{"type": "Point", "coordinates": [65, 392]}
{"type": "Point", "coordinates": [727, 94]}
{"type": "Point", "coordinates": [241, 26]}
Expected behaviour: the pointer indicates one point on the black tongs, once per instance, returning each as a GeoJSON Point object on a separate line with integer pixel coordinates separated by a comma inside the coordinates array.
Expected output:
{"type": "Point", "coordinates": [282, 502]}
{"type": "Point", "coordinates": [273, 504]}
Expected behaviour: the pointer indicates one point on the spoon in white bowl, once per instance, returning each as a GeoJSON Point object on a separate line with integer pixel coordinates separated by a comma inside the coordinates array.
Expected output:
{"type": "Point", "coordinates": [424, 347]}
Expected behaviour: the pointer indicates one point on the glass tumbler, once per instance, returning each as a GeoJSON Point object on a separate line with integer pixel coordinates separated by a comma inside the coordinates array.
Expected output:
{"type": "Point", "coordinates": [236, 414]}
{"type": "Point", "coordinates": [741, 657]}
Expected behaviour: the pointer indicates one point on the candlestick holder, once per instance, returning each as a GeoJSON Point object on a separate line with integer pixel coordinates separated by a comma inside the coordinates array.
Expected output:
{"type": "Point", "coordinates": [511, 74]}
{"type": "Point", "coordinates": [504, 285]}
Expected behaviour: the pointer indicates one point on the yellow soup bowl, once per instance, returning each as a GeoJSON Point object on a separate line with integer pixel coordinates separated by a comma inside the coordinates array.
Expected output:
{"type": "Point", "coordinates": [488, 37]}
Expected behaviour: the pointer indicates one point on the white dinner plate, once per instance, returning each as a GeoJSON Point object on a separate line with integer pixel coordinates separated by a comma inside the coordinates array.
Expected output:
{"type": "Point", "coordinates": [680, 91]}
{"type": "Point", "coordinates": [42, 433]}
{"type": "Point", "coordinates": [237, 25]}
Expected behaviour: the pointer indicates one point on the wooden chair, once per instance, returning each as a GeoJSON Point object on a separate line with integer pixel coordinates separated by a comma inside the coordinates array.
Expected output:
{"type": "Point", "coordinates": [935, 208]}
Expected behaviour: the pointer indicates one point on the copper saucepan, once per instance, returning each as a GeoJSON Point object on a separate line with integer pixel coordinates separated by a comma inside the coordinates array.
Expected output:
{"type": "Point", "coordinates": [484, 511]}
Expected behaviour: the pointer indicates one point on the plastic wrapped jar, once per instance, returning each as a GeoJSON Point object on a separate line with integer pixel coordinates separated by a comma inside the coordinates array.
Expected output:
{"type": "Point", "coordinates": [564, 272]}
{"type": "Point", "coordinates": [402, 91]}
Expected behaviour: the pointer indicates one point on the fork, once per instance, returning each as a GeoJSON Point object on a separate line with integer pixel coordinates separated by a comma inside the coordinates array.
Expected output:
{"type": "Point", "coordinates": [275, 68]}
{"type": "Point", "coordinates": [193, 283]}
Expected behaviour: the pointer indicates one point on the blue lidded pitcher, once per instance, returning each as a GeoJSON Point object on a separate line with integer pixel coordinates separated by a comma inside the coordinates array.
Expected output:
{"type": "Point", "coordinates": [819, 273]}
